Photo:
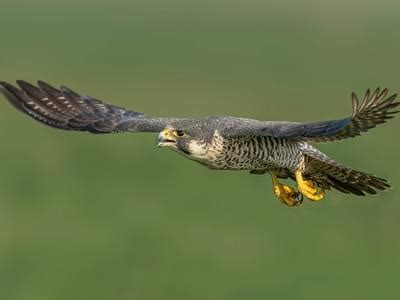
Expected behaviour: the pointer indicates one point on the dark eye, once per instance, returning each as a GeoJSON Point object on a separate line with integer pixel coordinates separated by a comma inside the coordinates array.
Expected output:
{"type": "Point", "coordinates": [179, 133]}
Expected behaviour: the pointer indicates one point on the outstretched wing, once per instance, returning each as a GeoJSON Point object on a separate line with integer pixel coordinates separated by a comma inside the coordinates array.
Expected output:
{"type": "Point", "coordinates": [65, 109]}
{"type": "Point", "coordinates": [375, 109]}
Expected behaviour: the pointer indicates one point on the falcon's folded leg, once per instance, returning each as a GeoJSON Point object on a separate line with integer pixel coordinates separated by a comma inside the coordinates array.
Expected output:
{"type": "Point", "coordinates": [308, 188]}
{"type": "Point", "coordinates": [286, 194]}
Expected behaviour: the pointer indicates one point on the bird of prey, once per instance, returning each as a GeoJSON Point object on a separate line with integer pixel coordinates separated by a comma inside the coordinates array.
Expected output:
{"type": "Point", "coordinates": [281, 149]}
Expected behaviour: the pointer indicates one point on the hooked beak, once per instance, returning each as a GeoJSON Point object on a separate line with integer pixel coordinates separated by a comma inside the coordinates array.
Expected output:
{"type": "Point", "coordinates": [166, 139]}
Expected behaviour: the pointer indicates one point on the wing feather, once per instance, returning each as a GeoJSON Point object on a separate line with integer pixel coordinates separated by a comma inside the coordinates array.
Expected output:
{"type": "Point", "coordinates": [65, 109]}
{"type": "Point", "coordinates": [375, 108]}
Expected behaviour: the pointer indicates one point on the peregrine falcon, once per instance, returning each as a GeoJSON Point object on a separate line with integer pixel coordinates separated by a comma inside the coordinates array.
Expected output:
{"type": "Point", "coordinates": [281, 149]}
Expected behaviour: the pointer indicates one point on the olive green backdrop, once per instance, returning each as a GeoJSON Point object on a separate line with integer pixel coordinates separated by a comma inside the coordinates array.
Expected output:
{"type": "Point", "coordinates": [112, 217]}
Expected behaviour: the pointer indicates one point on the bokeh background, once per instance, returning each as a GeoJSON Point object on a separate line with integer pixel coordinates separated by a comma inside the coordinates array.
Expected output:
{"type": "Point", "coordinates": [112, 217]}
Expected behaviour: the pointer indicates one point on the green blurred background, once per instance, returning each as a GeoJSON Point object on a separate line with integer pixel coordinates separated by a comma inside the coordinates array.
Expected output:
{"type": "Point", "coordinates": [113, 217]}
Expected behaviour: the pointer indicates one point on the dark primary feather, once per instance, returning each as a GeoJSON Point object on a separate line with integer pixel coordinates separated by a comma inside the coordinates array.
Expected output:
{"type": "Point", "coordinates": [375, 109]}
{"type": "Point", "coordinates": [65, 109]}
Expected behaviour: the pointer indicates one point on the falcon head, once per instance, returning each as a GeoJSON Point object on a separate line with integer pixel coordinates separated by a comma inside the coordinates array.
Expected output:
{"type": "Point", "coordinates": [192, 143]}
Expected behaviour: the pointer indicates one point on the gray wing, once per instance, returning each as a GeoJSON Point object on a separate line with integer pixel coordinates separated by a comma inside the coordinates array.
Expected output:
{"type": "Point", "coordinates": [65, 109]}
{"type": "Point", "coordinates": [376, 108]}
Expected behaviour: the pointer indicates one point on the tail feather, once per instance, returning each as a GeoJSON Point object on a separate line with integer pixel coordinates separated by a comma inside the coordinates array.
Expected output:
{"type": "Point", "coordinates": [327, 173]}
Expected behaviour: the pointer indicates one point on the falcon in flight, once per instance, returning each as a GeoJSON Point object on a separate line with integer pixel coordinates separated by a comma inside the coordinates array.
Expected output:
{"type": "Point", "coordinates": [281, 149]}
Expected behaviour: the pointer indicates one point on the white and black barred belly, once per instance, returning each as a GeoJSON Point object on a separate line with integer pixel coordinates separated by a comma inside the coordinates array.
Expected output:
{"type": "Point", "coordinates": [252, 153]}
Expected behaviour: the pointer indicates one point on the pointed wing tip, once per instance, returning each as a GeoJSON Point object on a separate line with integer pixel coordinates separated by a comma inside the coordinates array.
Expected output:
{"type": "Point", "coordinates": [355, 103]}
{"type": "Point", "coordinates": [43, 85]}
{"type": "Point", "coordinates": [20, 81]}
{"type": "Point", "coordinates": [64, 88]}
{"type": "Point", "coordinates": [25, 85]}
{"type": "Point", "coordinates": [42, 82]}
{"type": "Point", "coordinates": [8, 88]}
{"type": "Point", "coordinates": [5, 84]}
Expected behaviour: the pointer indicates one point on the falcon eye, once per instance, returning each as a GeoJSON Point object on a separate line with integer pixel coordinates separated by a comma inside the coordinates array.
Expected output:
{"type": "Point", "coordinates": [179, 133]}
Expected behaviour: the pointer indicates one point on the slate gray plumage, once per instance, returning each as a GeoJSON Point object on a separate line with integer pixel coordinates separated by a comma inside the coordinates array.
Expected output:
{"type": "Point", "coordinates": [221, 142]}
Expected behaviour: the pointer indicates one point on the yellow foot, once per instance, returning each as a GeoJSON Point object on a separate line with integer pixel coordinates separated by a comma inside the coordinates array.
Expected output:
{"type": "Point", "coordinates": [308, 188]}
{"type": "Point", "coordinates": [286, 194]}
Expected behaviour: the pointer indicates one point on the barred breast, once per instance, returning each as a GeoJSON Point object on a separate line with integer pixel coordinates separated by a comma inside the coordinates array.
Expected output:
{"type": "Point", "coordinates": [252, 153]}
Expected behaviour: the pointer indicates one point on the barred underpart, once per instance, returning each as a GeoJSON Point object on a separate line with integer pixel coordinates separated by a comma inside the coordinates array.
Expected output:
{"type": "Point", "coordinates": [252, 153]}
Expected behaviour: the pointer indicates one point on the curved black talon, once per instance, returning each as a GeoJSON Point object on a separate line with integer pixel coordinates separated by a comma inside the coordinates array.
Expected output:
{"type": "Point", "coordinates": [299, 197]}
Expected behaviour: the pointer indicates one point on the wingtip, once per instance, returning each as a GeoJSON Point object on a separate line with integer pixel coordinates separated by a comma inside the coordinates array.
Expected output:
{"type": "Point", "coordinates": [6, 88]}
{"type": "Point", "coordinates": [2, 87]}
{"type": "Point", "coordinates": [384, 91]}
{"type": "Point", "coordinates": [354, 102]}
{"type": "Point", "coordinates": [66, 90]}
{"type": "Point", "coordinates": [43, 84]}
{"type": "Point", "coordinates": [22, 83]}
{"type": "Point", "coordinates": [4, 84]}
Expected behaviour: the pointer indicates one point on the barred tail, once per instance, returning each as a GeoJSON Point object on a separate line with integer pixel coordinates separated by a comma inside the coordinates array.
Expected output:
{"type": "Point", "coordinates": [327, 173]}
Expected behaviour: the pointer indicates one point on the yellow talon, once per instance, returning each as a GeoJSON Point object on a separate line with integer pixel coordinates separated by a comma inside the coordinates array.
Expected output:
{"type": "Point", "coordinates": [286, 194]}
{"type": "Point", "coordinates": [308, 188]}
